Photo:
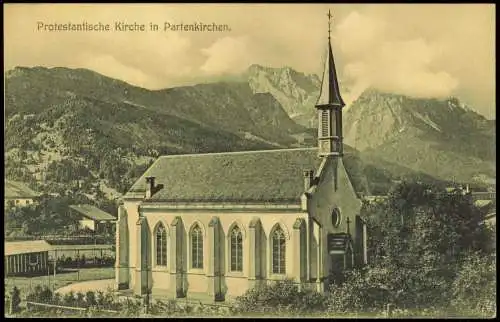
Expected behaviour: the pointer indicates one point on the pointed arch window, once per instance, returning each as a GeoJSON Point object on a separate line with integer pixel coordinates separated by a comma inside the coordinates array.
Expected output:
{"type": "Point", "coordinates": [161, 245]}
{"type": "Point", "coordinates": [236, 250]}
{"type": "Point", "coordinates": [196, 247]}
{"type": "Point", "coordinates": [279, 251]}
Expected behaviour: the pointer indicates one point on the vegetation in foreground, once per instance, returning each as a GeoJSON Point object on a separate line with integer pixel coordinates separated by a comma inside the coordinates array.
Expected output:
{"type": "Point", "coordinates": [26, 284]}
{"type": "Point", "coordinates": [431, 255]}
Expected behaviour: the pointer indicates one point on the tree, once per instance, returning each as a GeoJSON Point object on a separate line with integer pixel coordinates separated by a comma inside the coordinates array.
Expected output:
{"type": "Point", "coordinates": [419, 220]}
{"type": "Point", "coordinates": [418, 237]}
{"type": "Point", "coordinates": [15, 300]}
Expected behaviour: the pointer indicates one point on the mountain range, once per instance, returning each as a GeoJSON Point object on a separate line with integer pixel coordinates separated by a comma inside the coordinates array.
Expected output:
{"type": "Point", "coordinates": [64, 124]}
{"type": "Point", "coordinates": [443, 138]}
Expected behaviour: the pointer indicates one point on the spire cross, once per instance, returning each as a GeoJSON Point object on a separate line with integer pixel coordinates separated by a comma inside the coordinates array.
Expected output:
{"type": "Point", "coordinates": [329, 15]}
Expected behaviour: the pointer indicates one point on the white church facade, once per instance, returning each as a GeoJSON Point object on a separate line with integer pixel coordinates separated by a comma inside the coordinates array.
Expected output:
{"type": "Point", "coordinates": [221, 223]}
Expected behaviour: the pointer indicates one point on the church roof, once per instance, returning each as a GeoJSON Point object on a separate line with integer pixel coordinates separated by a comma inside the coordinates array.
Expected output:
{"type": "Point", "coordinates": [264, 176]}
{"type": "Point", "coordinates": [330, 91]}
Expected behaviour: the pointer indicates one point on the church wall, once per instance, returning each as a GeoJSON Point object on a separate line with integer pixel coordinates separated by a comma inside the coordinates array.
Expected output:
{"type": "Point", "coordinates": [122, 263]}
{"type": "Point", "coordinates": [132, 217]}
{"type": "Point", "coordinates": [329, 194]}
{"type": "Point", "coordinates": [160, 279]}
{"type": "Point", "coordinates": [197, 283]}
{"type": "Point", "coordinates": [236, 286]}
{"type": "Point", "coordinates": [234, 282]}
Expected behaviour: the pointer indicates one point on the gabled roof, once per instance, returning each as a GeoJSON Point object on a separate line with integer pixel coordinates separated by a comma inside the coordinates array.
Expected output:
{"type": "Point", "coordinates": [330, 90]}
{"type": "Point", "coordinates": [264, 176]}
{"type": "Point", "coordinates": [24, 247]}
{"type": "Point", "coordinates": [92, 212]}
{"type": "Point", "coordinates": [15, 189]}
{"type": "Point", "coordinates": [483, 203]}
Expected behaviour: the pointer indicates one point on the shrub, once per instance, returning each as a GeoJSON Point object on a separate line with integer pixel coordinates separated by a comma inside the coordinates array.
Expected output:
{"type": "Point", "coordinates": [131, 308]}
{"type": "Point", "coordinates": [100, 299]}
{"type": "Point", "coordinates": [40, 294]}
{"type": "Point", "coordinates": [475, 286]}
{"type": "Point", "coordinates": [69, 298]}
{"type": "Point", "coordinates": [15, 300]}
{"type": "Point", "coordinates": [46, 295]}
{"type": "Point", "coordinates": [90, 298]}
{"type": "Point", "coordinates": [281, 295]}
{"type": "Point", "coordinates": [80, 299]}
{"type": "Point", "coordinates": [56, 299]}
{"type": "Point", "coordinates": [375, 286]}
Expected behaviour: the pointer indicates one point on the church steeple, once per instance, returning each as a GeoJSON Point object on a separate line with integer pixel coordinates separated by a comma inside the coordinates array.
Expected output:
{"type": "Point", "coordinates": [329, 106]}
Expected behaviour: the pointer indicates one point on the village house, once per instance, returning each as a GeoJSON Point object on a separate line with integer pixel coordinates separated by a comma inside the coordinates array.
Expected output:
{"type": "Point", "coordinates": [94, 218]}
{"type": "Point", "coordinates": [17, 194]}
{"type": "Point", "coordinates": [221, 223]}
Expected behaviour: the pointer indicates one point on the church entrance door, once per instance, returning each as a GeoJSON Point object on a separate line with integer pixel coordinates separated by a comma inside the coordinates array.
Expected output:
{"type": "Point", "coordinates": [337, 263]}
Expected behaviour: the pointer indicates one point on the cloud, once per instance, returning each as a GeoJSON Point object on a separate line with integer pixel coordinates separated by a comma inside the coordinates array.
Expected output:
{"type": "Point", "coordinates": [227, 55]}
{"type": "Point", "coordinates": [378, 58]}
{"type": "Point", "coordinates": [358, 33]}
{"type": "Point", "coordinates": [109, 66]}
{"type": "Point", "coordinates": [414, 49]}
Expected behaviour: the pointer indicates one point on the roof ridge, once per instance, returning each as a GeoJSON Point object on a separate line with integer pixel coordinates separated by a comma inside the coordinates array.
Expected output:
{"type": "Point", "coordinates": [236, 152]}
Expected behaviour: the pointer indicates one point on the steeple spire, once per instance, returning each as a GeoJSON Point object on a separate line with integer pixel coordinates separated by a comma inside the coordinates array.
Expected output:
{"type": "Point", "coordinates": [329, 15]}
{"type": "Point", "coordinates": [330, 92]}
{"type": "Point", "coordinates": [329, 105]}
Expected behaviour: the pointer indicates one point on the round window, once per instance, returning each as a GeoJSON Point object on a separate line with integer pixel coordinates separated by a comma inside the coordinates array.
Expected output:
{"type": "Point", "coordinates": [336, 218]}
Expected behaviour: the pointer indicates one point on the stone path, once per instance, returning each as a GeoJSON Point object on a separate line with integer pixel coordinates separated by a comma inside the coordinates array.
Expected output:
{"type": "Point", "coordinates": [99, 285]}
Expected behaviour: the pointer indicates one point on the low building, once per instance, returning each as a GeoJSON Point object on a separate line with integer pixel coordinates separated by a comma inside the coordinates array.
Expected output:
{"type": "Point", "coordinates": [26, 257]}
{"type": "Point", "coordinates": [491, 219]}
{"type": "Point", "coordinates": [17, 194]}
{"type": "Point", "coordinates": [94, 218]}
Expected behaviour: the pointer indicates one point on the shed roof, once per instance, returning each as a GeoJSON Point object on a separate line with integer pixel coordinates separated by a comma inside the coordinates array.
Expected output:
{"type": "Point", "coordinates": [26, 247]}
{"type": "Point", "coordinates": [92, 212]}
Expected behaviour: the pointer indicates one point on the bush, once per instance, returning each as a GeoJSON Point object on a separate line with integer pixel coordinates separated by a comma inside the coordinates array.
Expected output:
{"type": "Point", "coordinates": [15, 300]}
{"type": "Point", "coordinates": [375, 286]}
{"type": "Point", "coordinates": [475, 286]}
{"type": "Point", "coordinates": [90, 299]}
{"type": "Point", "coordinates": [281, 295]}
{"type": "Point", "coordinates": [40, 294]}
{"type": "Point", "coordinates": [69, 299]}
{"type": "Point", "coordinates": [56, 299]}
{"type": "Point", "coordinates": [80, 299]}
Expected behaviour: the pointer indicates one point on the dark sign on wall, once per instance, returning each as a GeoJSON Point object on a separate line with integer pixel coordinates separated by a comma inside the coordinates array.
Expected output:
{"type": "Point", "coordinates": [337, 242]}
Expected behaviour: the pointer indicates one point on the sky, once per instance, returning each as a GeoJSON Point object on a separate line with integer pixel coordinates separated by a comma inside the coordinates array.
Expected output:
{"type": "Point", "coordinates": [420, 50]}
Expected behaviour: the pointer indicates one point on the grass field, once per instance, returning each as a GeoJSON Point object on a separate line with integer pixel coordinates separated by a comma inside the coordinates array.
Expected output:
{"type": "Point", "coordinates": [24, 284]}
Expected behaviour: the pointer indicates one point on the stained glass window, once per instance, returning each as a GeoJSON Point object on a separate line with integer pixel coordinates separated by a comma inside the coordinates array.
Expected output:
{"type": "Point", "coordinates": [196, 247]}
{"type": "Point", "coordinates": [279, 251]}
{"type": "Point", "coordinates": [236, 250]}
{"type": "Point", "coordinates": [161, 246]}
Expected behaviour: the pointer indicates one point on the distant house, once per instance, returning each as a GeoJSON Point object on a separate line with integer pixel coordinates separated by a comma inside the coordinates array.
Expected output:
{"type": "Point", "coordinates": [491, 219]}
{"type": "Point", "coordinates": [26, 257]}
{"type": "Point", "coordinates": [17, 194]}
{"type": "Point", "coordinates": [94, 218]}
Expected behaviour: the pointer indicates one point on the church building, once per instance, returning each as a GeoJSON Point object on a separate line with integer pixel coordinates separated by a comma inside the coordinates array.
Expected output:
{"type": "Point", "coordinates": [221, 223]}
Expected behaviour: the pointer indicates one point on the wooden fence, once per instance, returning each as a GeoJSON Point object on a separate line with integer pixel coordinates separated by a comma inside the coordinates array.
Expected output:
{"type": "Point", "coordinates": [30, 305]}
{"type": "Point", "coordinates": [67, 239]}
